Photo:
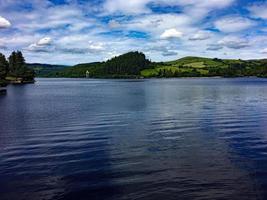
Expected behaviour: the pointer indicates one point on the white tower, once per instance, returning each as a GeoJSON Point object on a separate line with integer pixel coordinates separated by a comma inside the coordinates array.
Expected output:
{"type": "Point", "coordinates": [87, 74]}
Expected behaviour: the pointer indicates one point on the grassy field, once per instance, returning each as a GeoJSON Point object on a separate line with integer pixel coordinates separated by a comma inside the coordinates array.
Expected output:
{"type": "Point", "coordinates": [193, 66]}
{"type": "Point", "coordinates": [200, 66]}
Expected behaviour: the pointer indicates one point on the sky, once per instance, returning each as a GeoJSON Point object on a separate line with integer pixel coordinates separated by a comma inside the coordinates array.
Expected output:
{"type": "Point", "coordinates": [78, 31]}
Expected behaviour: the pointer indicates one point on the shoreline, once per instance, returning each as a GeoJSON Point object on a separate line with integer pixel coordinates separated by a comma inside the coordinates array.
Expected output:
{"type": "Point", "coordinates": [18, 81]}
{"type": "Point", "coordinates": [140, 78]}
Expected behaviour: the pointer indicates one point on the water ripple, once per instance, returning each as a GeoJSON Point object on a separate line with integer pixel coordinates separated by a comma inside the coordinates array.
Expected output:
{"type": "Point", "coordinates": [149, 139]}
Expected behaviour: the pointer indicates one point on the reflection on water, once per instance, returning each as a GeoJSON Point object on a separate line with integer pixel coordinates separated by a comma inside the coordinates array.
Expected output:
{"type": "Point", "coordinates": [140, 139]}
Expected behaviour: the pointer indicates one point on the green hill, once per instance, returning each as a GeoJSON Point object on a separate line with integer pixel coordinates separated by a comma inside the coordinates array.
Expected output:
{"type": "Point", "coordinates": [206, 67]}
{"type": "Point", "coordinates": [45, 70]}
{"type": "Point", "coordinates": [79, 71]}
{"type": "Point", "coordinates": [135, 65]}
{"type": "Point", "coordinates": [128, 65]}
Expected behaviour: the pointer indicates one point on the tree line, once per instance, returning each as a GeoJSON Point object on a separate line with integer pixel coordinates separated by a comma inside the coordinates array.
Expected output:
{"type": "Point", "coordinates": [15, 67]}
{"type": "Point", "coordinates": [133, 65]}
{"type": "Point", "coordinates": [127, 64]}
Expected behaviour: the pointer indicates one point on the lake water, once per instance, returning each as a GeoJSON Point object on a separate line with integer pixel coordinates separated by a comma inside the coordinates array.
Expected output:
{"type": "Point", "coordinates": [154, 139]}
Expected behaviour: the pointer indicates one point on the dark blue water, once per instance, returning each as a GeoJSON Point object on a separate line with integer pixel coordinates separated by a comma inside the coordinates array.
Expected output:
{"type": "Point", "coordinates": [134, 139]}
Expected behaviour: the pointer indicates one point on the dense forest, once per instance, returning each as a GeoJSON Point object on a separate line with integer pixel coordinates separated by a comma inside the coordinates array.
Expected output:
{"type": "Point", "coordinates": [44, 70]}
{"type": "Point", "coordinates": [131, 63]}
{"type": "Point", "coordinates": [128, 65]}
{"type": "Point", "coordinates": [14, 69]}
{"type": "Point", "coordinates": [136, 65]}
{"type": "Point", "coordinates": [3, 69]}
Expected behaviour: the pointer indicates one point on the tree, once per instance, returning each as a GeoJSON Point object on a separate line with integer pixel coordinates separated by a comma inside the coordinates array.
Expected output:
{"type": "Point", "coordinates": [3, 66]}
{"type": "Point", "coordinates": [18, 68]}
{"type": "Point", "coordinates": [12, 63]}
{"type": "Point", "coordinates": [16, 64]}
{"type": "Point", "coordinates": [127, 64]}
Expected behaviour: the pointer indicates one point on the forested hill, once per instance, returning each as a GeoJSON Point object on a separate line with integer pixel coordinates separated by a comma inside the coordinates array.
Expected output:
{"type": "Point", "coordinates": [45, 70]}
{"type": "Point", "coordinates": [128, 65]}
{"type": "Point", "coordinates": [136, 65]}
{"type": "Point", "coordinates": [131, 63]}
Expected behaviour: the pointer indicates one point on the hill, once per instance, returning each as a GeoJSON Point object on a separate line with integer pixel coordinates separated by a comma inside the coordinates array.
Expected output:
{"type": "Point", "coordinates": [128, 65]}
{"type": "Point", "coordinates": [78, 71]}
{"type": "Point", "coordinates": [207, 67]}
{"type": "Point", "coordinates": [45, 70]}
{"type": "Point", "coordinates": [136, 65]}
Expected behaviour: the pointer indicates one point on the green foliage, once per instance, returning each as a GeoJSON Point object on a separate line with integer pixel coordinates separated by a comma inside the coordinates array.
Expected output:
{"type": "Point", "coordinates": [128, 65]}
{"type": "Point", "coordinates": [15, 69]}
{"type": "Point", "coordinates": [18, 67]}
{"type": "Point", "coordinates": [135, 64]}
{"type": "Point", "coordinates": [3, 67]}
{"type": "Point", "coordinates": [77, 71]}
{"type": "Point", "coordinates": [45, 70]}
{"type": "Point", "coordinates": [206, 67]}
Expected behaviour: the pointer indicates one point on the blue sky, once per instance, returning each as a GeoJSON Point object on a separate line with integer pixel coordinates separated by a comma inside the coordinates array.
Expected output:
{"type": "Point", "coordinates": [77, 31]}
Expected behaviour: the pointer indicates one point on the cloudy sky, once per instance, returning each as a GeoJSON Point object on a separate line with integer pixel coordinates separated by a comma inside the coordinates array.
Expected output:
{"type": "Point", "coordinates": [77, 31]}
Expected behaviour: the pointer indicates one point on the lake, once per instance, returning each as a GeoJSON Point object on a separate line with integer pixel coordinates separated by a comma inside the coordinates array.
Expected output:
{"type": "Point", "coordinates": [154, 139]}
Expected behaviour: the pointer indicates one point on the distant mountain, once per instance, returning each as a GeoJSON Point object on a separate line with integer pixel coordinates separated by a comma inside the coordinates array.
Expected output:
{"type": "Point", "coordinates": [45, 70]}
{"type": "Point", "coordinates": [136, 65]}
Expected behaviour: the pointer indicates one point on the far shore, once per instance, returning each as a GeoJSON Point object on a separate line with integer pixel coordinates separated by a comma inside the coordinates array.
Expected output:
{"type": "Point", "coordinates": [118, 78]}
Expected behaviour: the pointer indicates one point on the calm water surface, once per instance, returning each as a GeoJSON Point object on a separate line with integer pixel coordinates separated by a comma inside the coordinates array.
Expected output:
{"type": "Point", "coordinates": [134, 139]}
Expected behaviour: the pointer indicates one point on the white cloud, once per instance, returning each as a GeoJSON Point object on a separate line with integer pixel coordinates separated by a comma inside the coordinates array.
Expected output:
{"type": "Point", "coordinates": [36, 48]}
{"type": "Point", "coordinates": [214, 4]}
{"type": "Point", "coordinates": [234, 42]}
{"type": "Point", "coordinates": [201, 35]}
{"type": "Point", "coordinates": [42, 45]}
{"type": "Point", "coordinates": [198, 9]}
{"type": "Point", "coordinates": [264, 51]}
{"type": "Point", "coordinates": [113, 24]}
{"type": "Point", "coordinates": [171, 33]}
{"type": "Point", "coordinates": [4, 23]}
{"type": "Point", "coordinates": [163, 47]}
{"type": "Point", "coordinates": [194, 8]}
{"type": "Point", "coordinates": [232, 24]}
{"type": "Point", "coordinates": [44, 41]}
{"type": "Point", "coordinates": [158, 23]}
{"type": "Point", "coordinates": [80, 23]}
{"type": "Point", "coordinates": [73, 19]}
{"type": "Point", "coordinates": [259, 10]}
{"type": "Point", "coordinates": [99, 46]}
{"type": "Point", "coordinates": [169, 53]}
{"type": "Point", "coordinates": [214, 47]}
{"type": "Point", "coordinates": [129, 7]}
{"type": "Point", "coordinates": [79, 44]}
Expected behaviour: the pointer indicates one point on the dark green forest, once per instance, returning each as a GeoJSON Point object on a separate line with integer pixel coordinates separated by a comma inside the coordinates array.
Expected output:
{"type": "Point", "coordinates": [136, 65]}
{"type": "Point", "coordinates": [3, 69]}
{"type": "Point", "coordinates": [131, 63]}
{"type": "Point", "coordinates": [128, 65]}
{"type": "Point", "coordinates": [14, 69]}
